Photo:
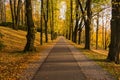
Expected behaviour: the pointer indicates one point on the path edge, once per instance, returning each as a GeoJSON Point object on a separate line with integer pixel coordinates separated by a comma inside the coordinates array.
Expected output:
{"type": "Point", "coordinates": [29, 73]}
{"type": "Point", "coordinates": [89, 75]}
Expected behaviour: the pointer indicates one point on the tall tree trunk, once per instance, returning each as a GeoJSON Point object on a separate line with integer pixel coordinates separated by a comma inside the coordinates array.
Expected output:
{"type": "Point", "coordinates": [3, 11]}
{"type": "Point", "coordinates": [46, 31]}
{"type": "Point", "coordinates": [46, 21]}
{"type": "Point", "coordinates": [114, 47]}
{"type": "Point", "coordinates": [80, 31]}
{"type": "Point", "coordinates": [77, 21]}
{"type": "Point", "coordinates": [71, 20]}
{"type": "Point", "coordinates": [103, 36]}
{"type": "Point", "coordinates": [105, 39]}
{"type": "Point", "coordinates": [87, 22]}
{"type": "Point", "coordinates": [0, 11]}
{"type": "Point", "coordinates": [41, 24]}
{"type": "Point", "coordinates": [22, 16]}
{"type": "Point", "coordinates": [12, 14]}
{"type": "Point", "coordinates": [18, 12]}
{"type": "Point", "coordinates": [52, 21]}
{"type": "Point", "coordinates": [31, 28]}
{"type": "Point", "coordinates": [87, 25]}
{"type": "Point", "coordinates": [97, 31]}
{"type": "Point", "coordinates": [15, 13]}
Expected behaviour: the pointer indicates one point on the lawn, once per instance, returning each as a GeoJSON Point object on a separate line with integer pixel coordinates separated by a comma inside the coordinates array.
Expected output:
{"type": "Point", "coordinates": [99, 56]}
{"type": "Point", "coordinates": [12, 60]}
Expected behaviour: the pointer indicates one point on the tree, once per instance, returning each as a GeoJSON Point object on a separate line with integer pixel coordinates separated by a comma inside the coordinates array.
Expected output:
{"type": "Point", "coordinates": [15, 12]}
{"type": "Point", "coordinates": [114, 47]}
{"type": "Point", "coordinates": [87, 24]}
{"type": "Point", "coordinates": [45, 14]}
{"type": "Point", "coordinates": [80, 31]}
{"type": "Point", "coordinates": [2, 11]}
{"type": "Point", "coordinates": [77, 21]}
{"type": "Point", "coordinates": [52, 20]}
{"type": "Point", "coordinates": [87, 21]}
{"type": "Point", "coordinates": [31, 28]}
{"type": "Point", "coordinates": [41, 26]}
{"type": "Point", "coordinates": [97, 29]}
{"type": "Point", "coordinates": [71, 20]}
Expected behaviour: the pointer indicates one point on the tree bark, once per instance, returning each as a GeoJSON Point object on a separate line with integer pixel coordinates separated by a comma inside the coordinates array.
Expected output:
{"type": "Point", "coordinates": [41, 24]}
{"type": "Point", "coordinates": [15, 12]}
{"type": "Point", "coordinates": [114, 47]}
{"type": "Point", "coordinates": [88, 24]}
{"type": "Point", "coordinates": [31, 28]}
{"type": "Point", "coordinates": [80, 31]}
{"type": "Point", "coordinates": [52, 21]}
{"type": "Point", "coordinates": [12, 14]}
{"type": "Point", "coordinates": [77, 21]}
{"type": "Point", "coordinates": [97, 31]}
{"type": "Point", "coordinates": [71, 21]}
{"type": "Point", "coordinates": [46, 21]}
{"type": "Point", "coordinates": [18, 12]}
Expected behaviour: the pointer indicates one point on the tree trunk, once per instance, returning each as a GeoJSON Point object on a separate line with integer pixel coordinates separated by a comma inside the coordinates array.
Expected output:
{"type": "Point", "coordinates": [18, 12]}
{"type": "Point", "coordinates": [71, 21]}
{"type": "Point", "coordinates": [87, 25]}
{"type": "Point", "coordinates": [46, 21]}
{"type": "Point", "coordinates": [41, 24]}
{"type": "Point", "coordinates": [87, 22]}
{"type": "Point", "coordinates": [105, 39]}
{"type": "Point", "coordinates": [77, 21]}
{"type": "Point", "coordinates": [31, 28]}
{"type": "Point", "coordinates": [52, 21]}
{"type": "Point", "coordinates": [80, 31]}
{"type": "Point", "coordinates": [114, 47]}
{"type": "Point", "coordinates": [46, 31]}
{"type": "Point", "coordinates": [12, 14]}
{"type": "Point", "coordinates": [22, 16]}
{"type": "Point", "coordinates": [103, 36]}
{"type": "Point", "coordinates": [97, 31]}
{"type": "Point", "coordinates": [15, 14]}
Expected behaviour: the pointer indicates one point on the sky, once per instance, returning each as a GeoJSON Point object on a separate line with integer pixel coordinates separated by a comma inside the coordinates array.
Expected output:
{"type": "Point", "coordinates": [62, 10]}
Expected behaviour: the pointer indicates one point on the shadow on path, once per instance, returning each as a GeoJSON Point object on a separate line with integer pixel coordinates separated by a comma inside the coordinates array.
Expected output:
{"type": "Point", "coordinates": [60, 65]}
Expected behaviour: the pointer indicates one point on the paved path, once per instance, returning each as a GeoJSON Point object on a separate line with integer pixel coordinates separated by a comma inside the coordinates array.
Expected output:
{"type": "Point", "coordinates": [65, 63]}
{"type": "Point", "coordinates": [60, 65]}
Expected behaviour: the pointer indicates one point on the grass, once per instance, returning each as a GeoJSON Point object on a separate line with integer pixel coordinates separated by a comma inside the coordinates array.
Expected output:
{"type": "Point", "coordinates": [12, 60]}
{"type": "Point", "coordinates": [100, 59]}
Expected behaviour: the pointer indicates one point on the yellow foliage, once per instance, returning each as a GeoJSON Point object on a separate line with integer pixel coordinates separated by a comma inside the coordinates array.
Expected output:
{"type": "Point", "coordinates": [12, 60]}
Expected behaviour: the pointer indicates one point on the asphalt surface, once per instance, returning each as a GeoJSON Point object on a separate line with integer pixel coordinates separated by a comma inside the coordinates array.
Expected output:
{"type": "Point", "coordinates": [60, 65]}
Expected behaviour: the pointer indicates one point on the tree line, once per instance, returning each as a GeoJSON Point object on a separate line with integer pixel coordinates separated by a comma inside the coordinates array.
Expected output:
{"type": "Point", "coordinates": [83, 14]}
{"type": "Point", "coordinates": [22, 13]}
{"type": "Point", "coordinates": [80, 16]}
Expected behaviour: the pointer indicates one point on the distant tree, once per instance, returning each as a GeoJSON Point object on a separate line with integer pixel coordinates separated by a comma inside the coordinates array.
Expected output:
{"type": "Point", "coordinates": [71, 20]}
{"type": "Point", "coordinates": [15, 12]}
{"type": "Point", "coordinates": [2, 11]}
{"type": "Point", "coordinates": [52, 20]}
{"type": "Point", "coordinates": [80, 31]}
{"type": "Point", "coordinates": [114, 47]}
{"type": "Point", "coordinates": [97, 29]}
{"type": "Point", "coordinates": [45, 15]}
{"type": "Point", "coordinates": [87, 21]}
{"type": "Point", "coordinates": [31, 28]}
{"type": "Point", "coordinates": [77, 21]}
{"type": "Point", "coordinates": [41, 24]}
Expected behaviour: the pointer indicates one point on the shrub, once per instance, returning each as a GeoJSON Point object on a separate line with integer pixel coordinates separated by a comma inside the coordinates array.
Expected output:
{"type": "Point", "coordinates": [6, 24]}
{"type": "Point", "coordinates": [22, 27]}
{"type": "Point", "coordinates": [1, 42]}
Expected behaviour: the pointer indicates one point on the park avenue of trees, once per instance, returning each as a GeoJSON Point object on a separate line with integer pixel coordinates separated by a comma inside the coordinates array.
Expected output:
{"type": "Point", "coordinates": [83, 22]}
